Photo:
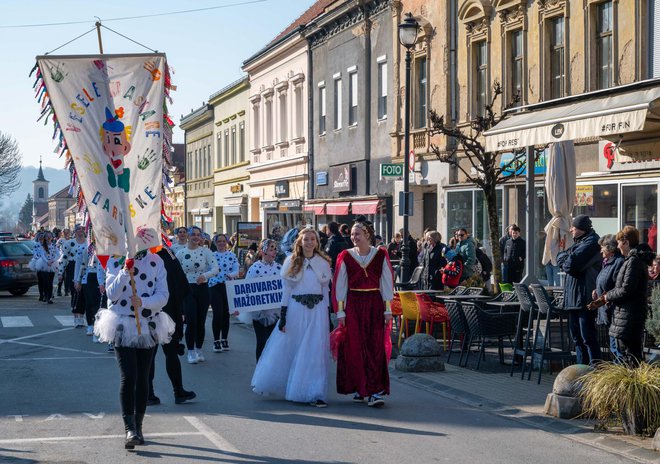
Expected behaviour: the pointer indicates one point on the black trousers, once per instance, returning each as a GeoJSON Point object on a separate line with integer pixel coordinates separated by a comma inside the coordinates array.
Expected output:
{"type": "Point", "coordinates": [67, 278]}
{"type": "Point", "coordinates": [134, 367]}
{"type": "Point", "coordinates": [220, 306]}
{"type": "Point", "coordinates": [582, 324]}
{"type": "Point", "coordinates": [630, 350]}
{"type": "Point", "coordinates": [45, 283]}
{"type": "Point", "coordinates": [172, 365]}
{"type": "Point", "coordinates": [262, 332]}
{"type": "Point", "coordinates": [195, 307]}
{"type": "Point", "coordinates": [92, 297]}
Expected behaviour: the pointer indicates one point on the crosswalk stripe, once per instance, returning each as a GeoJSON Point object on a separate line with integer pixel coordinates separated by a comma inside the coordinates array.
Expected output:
{"type": "Point", "coordinates": [66, 321]}
{"type": "Point", "coordinates": [16, 321]}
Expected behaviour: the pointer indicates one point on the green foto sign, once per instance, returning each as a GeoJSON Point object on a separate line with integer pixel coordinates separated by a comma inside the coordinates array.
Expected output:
{"type": "Point", "coordinates": [391, 170]}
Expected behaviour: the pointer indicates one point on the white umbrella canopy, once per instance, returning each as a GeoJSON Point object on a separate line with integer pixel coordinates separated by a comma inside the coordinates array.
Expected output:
{"type": "Point", "coordinates": [560, 196]}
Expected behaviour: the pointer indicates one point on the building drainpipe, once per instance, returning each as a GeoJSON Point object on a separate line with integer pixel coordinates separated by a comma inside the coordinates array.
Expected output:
{"type": "Point", "coordinates": [310, 122]}
{"type": "Point", "coordinates": [453, 18]}
{"type": "Point", "coordinates": [367, 101]}
{"type": "Point", "coordinates": [185, 182]}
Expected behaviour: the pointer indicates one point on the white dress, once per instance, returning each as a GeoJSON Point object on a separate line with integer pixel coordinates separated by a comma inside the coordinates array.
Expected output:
{"type": "Point", "coordinates": [295, 363]}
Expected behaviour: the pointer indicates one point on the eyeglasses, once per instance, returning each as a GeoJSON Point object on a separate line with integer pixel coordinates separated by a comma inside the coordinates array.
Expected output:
{"type": "Point", "coordinates": [461, 235]}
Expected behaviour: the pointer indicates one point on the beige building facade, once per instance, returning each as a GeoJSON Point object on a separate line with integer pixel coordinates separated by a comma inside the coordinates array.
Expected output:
{"type": "Point", "coordinates": [231, 160]}
{"type": "Point", "coordinates": [199, 189]}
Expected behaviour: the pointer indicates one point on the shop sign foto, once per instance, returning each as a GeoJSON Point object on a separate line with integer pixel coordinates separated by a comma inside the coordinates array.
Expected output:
{"type": "Point", "coordinates": [391, 170]}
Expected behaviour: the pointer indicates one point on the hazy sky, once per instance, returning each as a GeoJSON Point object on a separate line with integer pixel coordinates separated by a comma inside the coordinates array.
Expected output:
{"type": "Point", "coordinates": [206, 50]}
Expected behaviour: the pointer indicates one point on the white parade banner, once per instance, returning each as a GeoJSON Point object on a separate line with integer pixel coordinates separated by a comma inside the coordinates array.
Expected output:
{"type": "Point", "coordinates": [246, 296]}
{"type": "Point", "coordinates": [109, 109]}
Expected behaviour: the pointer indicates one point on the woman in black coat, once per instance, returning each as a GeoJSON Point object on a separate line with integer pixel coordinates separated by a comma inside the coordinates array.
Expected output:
{"type": "Point", "coordinates": [629, 296]}
{"type": "Point", "coordinates": [433, 261]}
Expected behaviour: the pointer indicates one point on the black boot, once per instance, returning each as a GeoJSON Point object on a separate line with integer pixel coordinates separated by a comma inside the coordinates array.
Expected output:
{"type": "Point", "coordinates": [138, 428]}
{"type": "Point", "coordinates": [131, 434]}
{"type": "Point", "coordinates": [181, 395]}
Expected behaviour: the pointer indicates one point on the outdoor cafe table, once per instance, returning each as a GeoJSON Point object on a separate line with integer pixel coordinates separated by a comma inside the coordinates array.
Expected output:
{"type": "Point", "coordinates": [443, 298]}
{"type": "Point", "coordinates": [503, 306]}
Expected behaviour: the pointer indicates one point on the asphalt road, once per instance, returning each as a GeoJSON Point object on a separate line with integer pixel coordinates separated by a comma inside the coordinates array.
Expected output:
{"type": "Point", "coordinates": [59, 404]}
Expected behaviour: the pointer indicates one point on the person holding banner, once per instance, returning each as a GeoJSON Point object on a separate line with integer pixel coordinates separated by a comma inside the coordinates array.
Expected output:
{"type": "Point", "coordinates": [295, 361]}
{"type": "Point", "coordinates": [199, 265]}
{"type": "Point", "coordinates": [263, 322]}
{"type": "Point", "coordinates": [364, 288]}
{"type": "Point", "coordinates": [134, 322]}
{"type": "Point", "coordinates": [228, 270]}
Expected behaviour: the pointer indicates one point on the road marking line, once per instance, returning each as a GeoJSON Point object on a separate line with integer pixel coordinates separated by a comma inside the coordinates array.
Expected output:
{"type": "Point", "coordinates": [16, 321]}
{"type": "Point", "coordinates": [212, 436]}
{"type": "Point", "coordinates": [62, 358]}
{"type": "Point", "coordinates": [66, 321]}
{"type": "Point", "coordinates": [33, 335]}
{"type": "Point", "coordinates": [18, 441]}
{"type": "Point", "coordinates": [57, 348]}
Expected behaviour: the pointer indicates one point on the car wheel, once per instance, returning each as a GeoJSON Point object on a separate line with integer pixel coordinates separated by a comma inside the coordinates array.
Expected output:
{"type": "Point", "coordinates": [18, 291]}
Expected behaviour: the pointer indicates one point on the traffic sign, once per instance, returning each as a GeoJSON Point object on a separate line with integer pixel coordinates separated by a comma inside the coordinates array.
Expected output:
{"type": "Point", "coordinates": [391, 170]}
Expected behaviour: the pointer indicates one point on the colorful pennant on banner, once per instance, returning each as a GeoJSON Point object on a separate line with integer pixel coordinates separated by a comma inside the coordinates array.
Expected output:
{"type": "Point", "coordinates": [111, 123]}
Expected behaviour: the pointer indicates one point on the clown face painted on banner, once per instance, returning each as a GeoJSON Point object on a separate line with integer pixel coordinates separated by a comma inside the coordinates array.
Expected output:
{"type": "Point", "coordinates": [114, 139]}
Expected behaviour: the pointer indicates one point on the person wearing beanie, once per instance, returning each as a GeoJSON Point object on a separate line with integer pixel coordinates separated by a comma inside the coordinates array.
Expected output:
{"type": "Point", "coordinates": [582, 262]}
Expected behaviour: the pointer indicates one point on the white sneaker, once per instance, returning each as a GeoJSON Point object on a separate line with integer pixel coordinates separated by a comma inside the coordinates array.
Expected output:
{"type": "Point", "coordinates": [95, 339]}
{"type": "Point", "coordinates": [200, 355]}
{"type": "Point", "coordinates": [90, 330]}
{"type": "Point", "coordinates": [192, 357]}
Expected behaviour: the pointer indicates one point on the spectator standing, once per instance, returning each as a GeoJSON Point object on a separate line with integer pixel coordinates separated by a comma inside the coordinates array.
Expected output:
{"type": "Point", "coordinates": [466, 247]}
{"type": "Point", "coordinates": [629, 296]}
{"type": "Point", "coordinates": [433, 261]}
{"type": "Point", "coordinates": [514, 256]}
{"type": "Point", "coordinates": [503, 240]}
{"type": "Point", "coordinates": [336, 243]}
{"type": "Point", "coordinates": [346, 233]}
{"type": "Point", "coordinates": [394, 248]}
{"type": "Point", "coordinates": [581, 262]}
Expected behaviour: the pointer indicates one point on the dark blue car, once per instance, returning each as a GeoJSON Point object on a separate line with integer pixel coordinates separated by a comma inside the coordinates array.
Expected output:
{"type": "Point", "coordinates": [15, 275]}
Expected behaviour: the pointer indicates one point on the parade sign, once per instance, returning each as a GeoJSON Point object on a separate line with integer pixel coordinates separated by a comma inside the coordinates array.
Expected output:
{"type": "Point", "coordinates": [109, 109]}
{"type": "Point", "coordinates": [251, 295]}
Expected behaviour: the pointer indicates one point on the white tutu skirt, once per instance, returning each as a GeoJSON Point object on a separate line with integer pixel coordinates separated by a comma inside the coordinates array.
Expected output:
{"type": "Point", "coordinates": [121, 330]}
{"type": "Point", "coordinates": [295, 364]}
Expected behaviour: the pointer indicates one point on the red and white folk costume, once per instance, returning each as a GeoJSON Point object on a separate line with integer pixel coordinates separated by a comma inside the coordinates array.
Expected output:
{"type": "Point", "coordinates": [364, 288]}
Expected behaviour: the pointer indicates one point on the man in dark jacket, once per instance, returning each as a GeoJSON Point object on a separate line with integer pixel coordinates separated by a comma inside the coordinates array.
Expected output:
{"type": "Point", "coordinates": [629, 296]}
{"type": "Point", "coordinates": [514, 256]}
{"type": "Point", "coordinates": [336, 243]}
{"type": "Point", "coordinates": [582, 263]}
{"type": "Point", "coordinates": [178, 287]}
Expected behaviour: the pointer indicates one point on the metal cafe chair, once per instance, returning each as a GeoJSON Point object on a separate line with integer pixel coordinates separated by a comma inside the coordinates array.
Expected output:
{"type": "Point", "coordinates": [459, 328]}
{"type": "Point", "coordinates": [524, 328]}
{"type": "Point", "coordinates": [484, 325]}
{"type": "Point", "coordinates": [413, 283]}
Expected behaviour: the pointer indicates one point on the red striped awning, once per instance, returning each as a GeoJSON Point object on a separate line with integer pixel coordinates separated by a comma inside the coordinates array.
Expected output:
{"type": "Point", "coordinates": [317, 209]}
{"type": "Point", "coordinates": [337, 209]}
{"type": "Point", "coordinates": [365, 207]}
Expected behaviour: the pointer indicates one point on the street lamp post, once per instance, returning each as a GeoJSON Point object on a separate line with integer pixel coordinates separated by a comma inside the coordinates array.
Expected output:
{"type": "Point", "coordinates": [407, 37]}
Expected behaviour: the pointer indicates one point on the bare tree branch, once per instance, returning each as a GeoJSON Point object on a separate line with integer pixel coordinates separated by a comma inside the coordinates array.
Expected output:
{"type": "Point", "coordinates": [10, 165]}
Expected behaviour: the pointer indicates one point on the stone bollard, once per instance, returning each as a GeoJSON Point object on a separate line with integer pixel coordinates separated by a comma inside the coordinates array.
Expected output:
{"type": "Point", "coordinates": [420, 353]}
{"type": "Point", "coordinates": [656, 441]}
{"type": "Point", "coordinates": [564, 402]}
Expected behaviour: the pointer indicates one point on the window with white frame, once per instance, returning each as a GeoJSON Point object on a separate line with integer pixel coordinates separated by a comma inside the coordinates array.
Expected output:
{"type": "Point", "coordinates": [197, 163]}
{"type": "Point", "coordinates": [209, 159]}
{"type": "Point", "coordinates": [282, 117]}
{"type": "Point", "coordinates": [298, 113]}
{"type": "Point", "coordinates": [557, 51]}
{"type": "Point", "coordinates": [241, 142]}
{"type": "Point", "coordinates": [269, 121]}
{"type": "Point", "coordinates": [352, 98]}
{"type": "Point", "coordinates": [218, 150]}
{"type": "Point", "coordinates": [322, 108]}
{"type": "Point", "coordinates": [604, 44]}
{"type": "Point", "coordinates": [256, 124]}
{"type": "Point", "coordinates": [516, 56]}
{"type": "Point", "coordinates": [480, 77]}
{"type": "Point", "coordinates": [227, 159]}
{"type": "Point", "coordinates": [382, 89]}
{"type": "Point", "coordinates": [234, 159]}
{"type": "Point", "coordinates": [337, 103]}
{"type": "Point", "coordinates": [420, 92]}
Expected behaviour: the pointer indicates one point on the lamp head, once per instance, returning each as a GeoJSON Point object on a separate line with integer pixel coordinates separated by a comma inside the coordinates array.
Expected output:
{"type": "Point", "coordinates": [408, 31]}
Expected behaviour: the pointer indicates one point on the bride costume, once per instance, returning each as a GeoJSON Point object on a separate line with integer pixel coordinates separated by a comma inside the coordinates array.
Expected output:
{"type": "Point", "coordinates": [295, 363]}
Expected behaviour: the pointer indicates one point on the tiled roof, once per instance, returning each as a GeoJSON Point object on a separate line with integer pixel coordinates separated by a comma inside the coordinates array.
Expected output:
{"type": "Point", "coordinates": [311, 13]}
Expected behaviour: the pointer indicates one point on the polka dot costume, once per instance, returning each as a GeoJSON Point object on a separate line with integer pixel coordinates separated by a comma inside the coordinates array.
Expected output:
{"type": "Point", "coordinates": [117, 324]}
{"type": "Point", "coordinates": [197, 262]}
{"type": "Point", "coordinates": [70, 249]}
{"type": "Point", "coordinates": [228, 265]}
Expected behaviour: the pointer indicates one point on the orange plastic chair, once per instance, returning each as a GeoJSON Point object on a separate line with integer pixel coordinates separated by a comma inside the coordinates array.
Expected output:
{"type": "Point", "coordinates": [431, 313]}
{"type": "Point", "coordinates": [409, 312]}
{"type": "Point", "coordinates": [397, 312]}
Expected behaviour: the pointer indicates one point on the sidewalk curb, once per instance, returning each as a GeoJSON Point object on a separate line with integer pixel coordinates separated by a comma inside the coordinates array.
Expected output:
{"type": "Point", "coordinates": [571, 430]}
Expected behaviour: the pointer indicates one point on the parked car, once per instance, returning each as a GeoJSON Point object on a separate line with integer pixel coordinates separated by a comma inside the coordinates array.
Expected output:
{"type": "Point", "coordinates": [15, 275]}
{"type": "Point", "coordinates": [7, 236]}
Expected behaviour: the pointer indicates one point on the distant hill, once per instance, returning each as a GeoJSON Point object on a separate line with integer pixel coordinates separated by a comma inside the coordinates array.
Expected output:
{"type": "Point", "coordinates": [59, 178]}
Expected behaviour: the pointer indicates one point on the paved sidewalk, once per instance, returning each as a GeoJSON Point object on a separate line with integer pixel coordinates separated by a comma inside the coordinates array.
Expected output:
{"type": "Point", "coordinates": [523, 401]}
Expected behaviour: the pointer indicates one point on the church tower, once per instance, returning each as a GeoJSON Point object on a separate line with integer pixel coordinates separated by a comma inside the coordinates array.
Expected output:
{"type": "Point", "coordinates": [40, 197]}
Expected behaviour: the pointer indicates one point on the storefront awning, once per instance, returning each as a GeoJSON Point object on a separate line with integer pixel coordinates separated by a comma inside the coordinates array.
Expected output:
{"type": "Point", "coordinates": [337, 209]}
{"type": "Point", "coordinates": [365, 207]}
{"type": "Point", "coordinates": [318, 209]}
{"type": "Point", "coordinates": [607, 114]}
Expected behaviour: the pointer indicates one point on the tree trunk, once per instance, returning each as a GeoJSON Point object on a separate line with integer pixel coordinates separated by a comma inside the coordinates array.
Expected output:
{"type": "Point", "coordinates": [490, 196]}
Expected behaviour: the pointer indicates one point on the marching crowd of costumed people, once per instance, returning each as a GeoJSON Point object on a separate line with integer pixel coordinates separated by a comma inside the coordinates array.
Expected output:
{"type": "Point", "coordinates": [163, 297]}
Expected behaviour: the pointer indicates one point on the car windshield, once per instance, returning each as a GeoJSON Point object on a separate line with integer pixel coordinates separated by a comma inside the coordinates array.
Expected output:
{"type": "Point", "coordinates": [14, 249]}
